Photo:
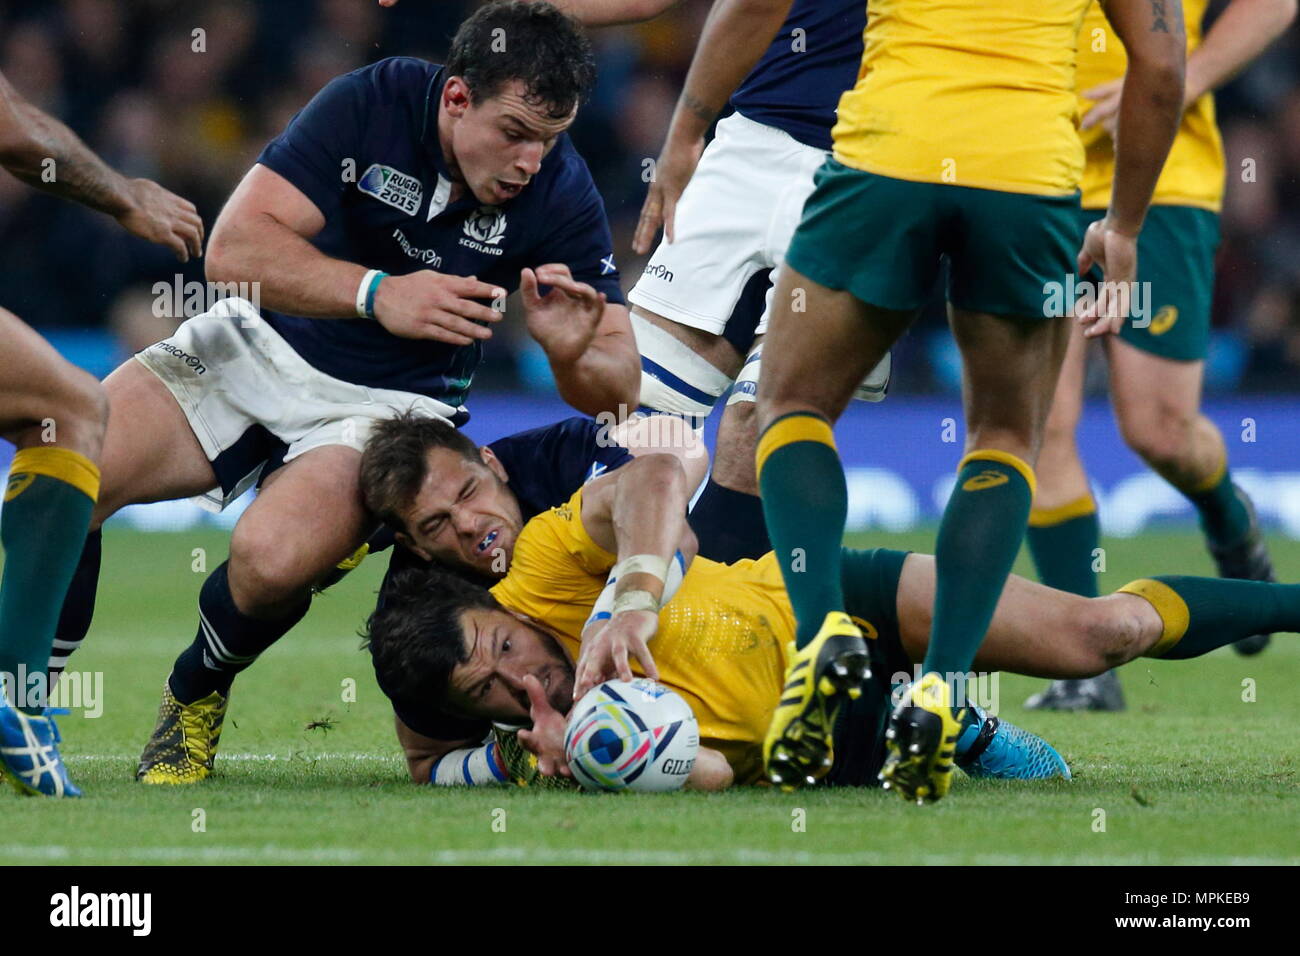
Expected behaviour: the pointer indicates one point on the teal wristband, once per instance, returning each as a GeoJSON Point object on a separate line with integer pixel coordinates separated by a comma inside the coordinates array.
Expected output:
{"type": "Point", "coordinates": [377, 278]}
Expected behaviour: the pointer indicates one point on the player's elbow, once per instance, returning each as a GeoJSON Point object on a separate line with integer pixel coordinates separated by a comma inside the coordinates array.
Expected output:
{"type": "Point", "coordinates": [420, 769]}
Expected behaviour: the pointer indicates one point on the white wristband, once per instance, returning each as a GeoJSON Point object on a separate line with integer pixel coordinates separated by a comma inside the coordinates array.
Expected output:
{"type": "Point", "coordinates": [635, 601]}
{"type": "Point", "coordinates": [641, 564]}
{"type": "Point", "coordinates": [363, 293]}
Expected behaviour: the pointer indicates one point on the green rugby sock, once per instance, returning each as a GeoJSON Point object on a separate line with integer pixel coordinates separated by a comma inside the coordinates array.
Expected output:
{"type": "Point", "coordinates": [805, 501]}
{"type": "Point", "coordinates": [1224, 517]}
{"type": "Point", "coordinates": [47, 505]}
{"type": "Point", "coordinates": [1201, 614]}
{"type": "Point", "coordinates": [1063, 542]}
{"type": "Point", "coordinates": [979, 538]}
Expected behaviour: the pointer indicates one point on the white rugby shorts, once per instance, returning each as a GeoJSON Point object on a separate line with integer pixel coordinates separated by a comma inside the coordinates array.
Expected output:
{"type": "Point", "coordinates": [254, 403]}
{"type": "Point", "coordinates": [735, 218]}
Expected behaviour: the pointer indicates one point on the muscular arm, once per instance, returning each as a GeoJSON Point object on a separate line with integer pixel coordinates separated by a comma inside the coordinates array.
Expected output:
{"type": "Point", "coordinates": [262, 236]}
{"type": "Point", "coordinates": [1240, 34]}
{"type": "Point", "coordinates": [641, 509]}
{"type": "Point", "coordinates": [1151, 105]}
{"type": "Point", "coordinates": [667, 435]}
{"type": "Point", "coordinates": [730, 46]}
{"type": "Point", "coordinates": [29, 139]}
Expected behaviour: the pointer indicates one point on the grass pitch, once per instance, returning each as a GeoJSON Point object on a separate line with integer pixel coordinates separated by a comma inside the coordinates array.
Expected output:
{"type": "Point", "coordinates": [1191, 773]}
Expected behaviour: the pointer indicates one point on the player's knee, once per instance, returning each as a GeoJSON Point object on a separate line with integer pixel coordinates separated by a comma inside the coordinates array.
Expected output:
{"type": "Point", "coordinates": [264, 573]}
{"type": "Point", "coordinates": [1161, 434]}
{"type": "Point", "coordinates": [1106, 636]}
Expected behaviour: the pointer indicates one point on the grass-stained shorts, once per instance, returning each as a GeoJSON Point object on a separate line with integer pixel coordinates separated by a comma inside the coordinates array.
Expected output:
{"type": "Point", "coordinates": [882, 239]}
{"type": "Point", "coordinates": [1176, 278]}
{"type": "Point", "coordinates": [870, 580]}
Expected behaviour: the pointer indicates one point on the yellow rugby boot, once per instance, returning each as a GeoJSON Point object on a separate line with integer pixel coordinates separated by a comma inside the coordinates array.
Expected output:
{"type": "Point", "coordinates": [826, 673]}
{"type": "Point", "coordinates": [183, 745]}
{"type": "Point", "coordinates": [921, 741]}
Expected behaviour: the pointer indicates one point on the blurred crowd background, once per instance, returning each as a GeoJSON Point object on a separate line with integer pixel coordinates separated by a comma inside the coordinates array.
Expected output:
{"type": "Point", "coordinates": [129, 77]}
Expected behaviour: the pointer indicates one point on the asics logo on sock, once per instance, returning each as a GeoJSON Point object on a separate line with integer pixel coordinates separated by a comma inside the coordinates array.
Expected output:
{"type": "Point", "coordinates": [18, 484]}
{"type": "Point", "coordinates": [985, 479]}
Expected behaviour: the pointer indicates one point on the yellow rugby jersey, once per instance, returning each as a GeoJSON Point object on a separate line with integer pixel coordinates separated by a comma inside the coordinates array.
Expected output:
{"type": "Point", "coordinates": [1193, 173]}
{"type": "Point", "coordinates": [969, 92]}
{"type": "Point", "coordinates": [721, 642]}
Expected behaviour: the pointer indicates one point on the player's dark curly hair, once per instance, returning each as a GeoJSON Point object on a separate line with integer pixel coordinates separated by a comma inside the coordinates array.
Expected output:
{"type": "Point", "coordinates": [416, 635]}
{"type": "Point", "coordinates": [395, 460]}
{"type": "Point", "coordinates": [533, 42]}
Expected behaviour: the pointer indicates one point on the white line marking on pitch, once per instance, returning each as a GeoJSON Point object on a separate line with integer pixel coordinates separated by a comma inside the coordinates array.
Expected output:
{"type": "Point", "coordinates": [272, 853]}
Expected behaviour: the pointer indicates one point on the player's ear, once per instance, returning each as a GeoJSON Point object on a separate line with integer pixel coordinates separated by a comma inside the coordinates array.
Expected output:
{"type": "Point", "coordinates": [455, 96]}
{"type": "Point", "coordinates": [406, 541]}
{"type": "Point", "coordinates": [494, 464]}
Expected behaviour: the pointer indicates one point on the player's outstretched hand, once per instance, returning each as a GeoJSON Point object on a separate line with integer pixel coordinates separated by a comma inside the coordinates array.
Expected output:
{"type": "Point", "coordinates": [672, 171]}
{"type": "Point", "coordinates": [163, 217]}
{"type": "Point", "coordinates": [1116, 254]}
{"type": "Point", "coordinates": [434, 305]}
{"type": "Point", "coordinates": [607, 654]}
{"type": "Point", "coordinates": [564, 320]}
{"type": "Point", "coordinates": [546, 738]}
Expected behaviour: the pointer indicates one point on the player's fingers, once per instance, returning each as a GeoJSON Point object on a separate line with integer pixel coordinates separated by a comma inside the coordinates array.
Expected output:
{"type": "Point", "coordinates": [528, 288]}
{"type": "Point", "coordinates": [1084, 261]}
{"type": "Point", "coordinates": [456, 325]}
{"type": "Point", "coordinates": [538, 705]}
{"type": "Point", "coordinates": [647, 660]}
{"type": "Point", "coordinates": [648, 223]}
{"type": "Point", "coordinates": [621, 665]}
{"type": "Point", "coordinates": [553, 271]}
{"type": "Point", "coordinates": [177, 245]}
{"type": "Point", "coordinates": [470, 309]}
{"type": "Point", "coordinates": [431, 329]}
{"type": "Point", "coordinates": [192, 237]}
{"type": "Point", "coordinates": [569, 286]}
{"type": "Point", "coordinates": [469, 287]}
{"type": "Point", "coordinates": [1102, 90]}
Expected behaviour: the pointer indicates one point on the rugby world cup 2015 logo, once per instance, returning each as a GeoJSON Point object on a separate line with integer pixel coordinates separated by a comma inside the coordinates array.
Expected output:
{"type": "Point", "coordinates": [393, 187]}
{"type": "Point", "coordinates": [484, 229]}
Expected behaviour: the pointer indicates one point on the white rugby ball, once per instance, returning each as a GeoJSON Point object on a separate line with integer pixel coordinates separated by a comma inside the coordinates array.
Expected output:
{"type": "Point", "coordinates": [631, 735]}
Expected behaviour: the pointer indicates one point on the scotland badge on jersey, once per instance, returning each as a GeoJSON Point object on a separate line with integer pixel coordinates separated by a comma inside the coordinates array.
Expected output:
{"type": "Point", "coordinates": [390, 186]}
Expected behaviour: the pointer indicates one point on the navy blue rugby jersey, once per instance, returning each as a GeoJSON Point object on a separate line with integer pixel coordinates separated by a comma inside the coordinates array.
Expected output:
{"type": "Point", "coordinates": [796, 86]}
{"type": "Point", "coordinates": [544, 467]}
{"type": "Point", "coordinates": [365, 150]}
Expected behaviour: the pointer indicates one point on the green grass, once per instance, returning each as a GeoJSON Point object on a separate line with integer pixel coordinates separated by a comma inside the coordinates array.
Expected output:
{"type": "Point", "coordinates": [1189, 774]}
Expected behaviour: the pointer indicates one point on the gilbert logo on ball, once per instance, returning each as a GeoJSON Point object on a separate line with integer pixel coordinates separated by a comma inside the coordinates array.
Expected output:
{"type": "Point", "coordinates": [632, 735]}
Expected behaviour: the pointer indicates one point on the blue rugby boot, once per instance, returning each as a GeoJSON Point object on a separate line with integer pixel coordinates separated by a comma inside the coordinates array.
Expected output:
{"type": "Point", "coordinates": [1000, 750]}
{"type": "Point", "coordinates": [29, 754]}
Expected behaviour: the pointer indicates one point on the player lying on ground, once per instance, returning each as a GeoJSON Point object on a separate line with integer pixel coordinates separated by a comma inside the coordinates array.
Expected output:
{"type": "Point", "coordinates": [55, 414]}
{"type": "Point", "coordinates": [445, 499]}
{"type": "Point", "coordinates": [724, 640]}
{"type": "Point", "coordinates": [383, 230]}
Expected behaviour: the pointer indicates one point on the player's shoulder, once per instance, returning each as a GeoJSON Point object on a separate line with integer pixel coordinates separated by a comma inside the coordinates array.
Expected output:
{"type": "Point", "coordinates": [392, 79]}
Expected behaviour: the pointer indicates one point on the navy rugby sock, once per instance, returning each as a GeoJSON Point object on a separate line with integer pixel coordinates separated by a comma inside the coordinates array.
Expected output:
{"type": "Point", "coordinates": [729, 524]}
{"type": "Point", "coordinates": [227, 641]}
{"type": "Point", "coordinates": [78, 604]}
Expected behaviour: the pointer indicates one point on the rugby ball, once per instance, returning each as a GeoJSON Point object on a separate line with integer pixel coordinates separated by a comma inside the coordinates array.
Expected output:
{"type": "Point", "coordinates": [631, 735]}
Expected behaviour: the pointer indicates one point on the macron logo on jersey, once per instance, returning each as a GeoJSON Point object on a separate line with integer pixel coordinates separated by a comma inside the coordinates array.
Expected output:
{"type": "Point", "coordinates": [393, 187]}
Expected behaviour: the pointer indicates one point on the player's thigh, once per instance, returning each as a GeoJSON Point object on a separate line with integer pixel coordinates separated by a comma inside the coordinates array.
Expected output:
{"type": "Point", "coordinates": [1035, 630]}
{"type": "Point", "coordinates": [1009, 369]}
{"type": "Point", "coordinates": [712, 347]}
{"type": "Point", "coordinates": [308, 517]}
{"type": "Point", "coordinates": [150, 450]}
{"type": "Point", "coordinates": [43, 397]}
{"type": "Point", "coordinates": [861, 263]}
